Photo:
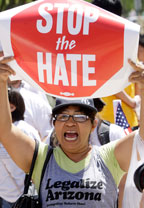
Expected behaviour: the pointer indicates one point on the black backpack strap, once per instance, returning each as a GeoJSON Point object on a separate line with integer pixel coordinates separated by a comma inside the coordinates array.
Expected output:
{"type": "Point", "coordinates": [103, 132]}
{"type": "Point", "coordinates": [49, 153]}
{"type": "Point", "coordinates": [28, 176]}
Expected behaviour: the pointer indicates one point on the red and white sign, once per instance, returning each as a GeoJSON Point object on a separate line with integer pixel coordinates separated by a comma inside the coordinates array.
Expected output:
{"type": "Point", "coordinates": [69, 48]}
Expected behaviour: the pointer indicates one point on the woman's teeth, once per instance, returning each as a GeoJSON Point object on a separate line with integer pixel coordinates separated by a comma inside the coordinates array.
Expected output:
{"type": "Point", "coordinates": [70, 136]}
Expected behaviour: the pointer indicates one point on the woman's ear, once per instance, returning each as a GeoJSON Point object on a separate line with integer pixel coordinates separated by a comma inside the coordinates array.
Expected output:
{"type": "Point", "coordinates": [94, 124]}
{"type": "Point", "coordinates": [12, 107]}
{"type": "Point", "coordinates": [53, 122]}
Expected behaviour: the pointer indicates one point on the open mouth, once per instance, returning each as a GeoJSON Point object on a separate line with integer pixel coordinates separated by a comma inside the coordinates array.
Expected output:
{"type": "Point", "coordinates": [70, 135]}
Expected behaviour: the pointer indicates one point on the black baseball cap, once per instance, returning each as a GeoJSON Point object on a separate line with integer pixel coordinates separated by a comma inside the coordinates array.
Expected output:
{"type": "Point", "coordinates": [85, 103]}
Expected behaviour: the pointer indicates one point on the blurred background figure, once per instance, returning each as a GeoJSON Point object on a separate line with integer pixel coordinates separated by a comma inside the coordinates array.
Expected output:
{"type": "Point", "coordinates": [109, 5]}
{"type": "Point", "coordinates": [105, 131]}
{"type": "Point", "coordinates": [141, 48]}
{"type": "Point", "coordinates": [11, 176]}
{"type": "Point", "coordinates": [37, 108]}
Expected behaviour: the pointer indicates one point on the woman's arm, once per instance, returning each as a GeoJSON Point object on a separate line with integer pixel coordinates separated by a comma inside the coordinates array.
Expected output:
{"type": "Point", "coordinates": [124, 146]}
{"type": "Point", "coordinates": [126, 99]}
{"type": "Point", "coordinates": [17, 144]}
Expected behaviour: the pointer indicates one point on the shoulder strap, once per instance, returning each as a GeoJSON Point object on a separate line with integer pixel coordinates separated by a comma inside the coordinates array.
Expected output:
{"type": "Point", "coordinates": [103, 132]}
{"type": "Point", "coordinates": [28, 176]}
{"type": "Point", "coordinates": [49, 153]}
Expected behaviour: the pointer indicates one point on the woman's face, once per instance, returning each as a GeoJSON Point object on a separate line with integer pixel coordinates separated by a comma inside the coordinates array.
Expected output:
{"type": "Point", "coordinates": [73, 136]}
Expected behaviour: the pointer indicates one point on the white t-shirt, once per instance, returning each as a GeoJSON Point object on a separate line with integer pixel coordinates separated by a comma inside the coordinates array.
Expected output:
{"type": "Point", "coordinates": [11, 176]}
{"type": "Point", "coordinates": [116, 132]}
{"type": "Point", "coordinates": [34, 90]}
{"type": "Point", "coordinates": [47, 140]}
{"type": "Point", "coordinates": [37, 111]}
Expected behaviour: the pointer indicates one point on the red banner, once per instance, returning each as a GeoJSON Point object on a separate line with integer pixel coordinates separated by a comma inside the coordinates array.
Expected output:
{"type": "Point", "coordinates": [69, 48]}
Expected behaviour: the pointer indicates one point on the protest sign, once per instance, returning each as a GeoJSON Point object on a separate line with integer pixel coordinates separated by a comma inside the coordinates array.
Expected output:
{"type": "Point", "coordinates": [69, 49]}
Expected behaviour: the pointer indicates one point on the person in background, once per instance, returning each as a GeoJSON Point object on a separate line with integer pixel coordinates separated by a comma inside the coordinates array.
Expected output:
{"type": "Point", "coordinates": [37, 108]}
{"type": "Point", "coordinates": [105, 131]}
{"type": "Point", "coordinates": [127, 96]}
{"type": "Point", "coordinates": [141, 61]}
{"type": "Point", "coordinates": [141, 48]}
{"type": "Point", "coordinates": [21, 83]}
{"type": "Point", "coordinates": [109, 5]}
{"type": "Point", "coordinates": [11, 176]}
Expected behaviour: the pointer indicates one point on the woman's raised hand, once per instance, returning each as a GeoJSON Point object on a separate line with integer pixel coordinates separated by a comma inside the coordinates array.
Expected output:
{"type": "Point", "coordinates": [138, 75]}
{"type": "Point", "coordinates": [5, 69]}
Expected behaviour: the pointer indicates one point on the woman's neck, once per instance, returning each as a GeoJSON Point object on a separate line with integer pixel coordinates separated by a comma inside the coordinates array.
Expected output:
{"type": "Point", "coordinates": [77, 156]}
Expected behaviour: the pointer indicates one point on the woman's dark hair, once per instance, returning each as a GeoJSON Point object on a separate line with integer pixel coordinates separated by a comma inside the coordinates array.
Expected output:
{"type": "Point", "coordinates": [141, 40]}
{"type": "Point", "coordinates": [16, 99]}
{"type": "Point", "coordinates": [99, 104]}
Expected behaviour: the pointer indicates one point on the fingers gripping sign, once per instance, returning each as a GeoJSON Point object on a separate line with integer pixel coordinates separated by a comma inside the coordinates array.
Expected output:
{"type": "Point", "coordinates": [138, 75]}
{"type": "Point", "coordinates": [5, 69]}
{"type": "Point", "coordinates": [136, 66]}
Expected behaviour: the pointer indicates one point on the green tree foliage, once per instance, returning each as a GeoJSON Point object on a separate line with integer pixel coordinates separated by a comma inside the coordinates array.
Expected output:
{"type": "Point", "coordinates": [128, 5]}
{"type": "Point", "coordinates": [7, 4]}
